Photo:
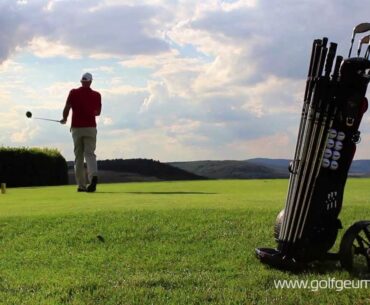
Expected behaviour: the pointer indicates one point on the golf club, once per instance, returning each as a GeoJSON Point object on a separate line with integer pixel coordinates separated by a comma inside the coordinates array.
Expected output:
{"type": "Point", "coordinates": [362, 41]}
{"type": "Point", "coordinates": [360, 28]}
{"type": "Point", "coordinates": [29, 115]}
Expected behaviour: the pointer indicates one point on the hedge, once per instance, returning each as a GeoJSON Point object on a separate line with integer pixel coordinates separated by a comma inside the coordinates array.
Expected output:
{"type": "Point", "coordinates": [32, 167]}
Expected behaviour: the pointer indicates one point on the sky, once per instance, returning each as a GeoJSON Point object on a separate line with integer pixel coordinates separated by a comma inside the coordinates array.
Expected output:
{"type": "Point", "coordinates": [180, 80]}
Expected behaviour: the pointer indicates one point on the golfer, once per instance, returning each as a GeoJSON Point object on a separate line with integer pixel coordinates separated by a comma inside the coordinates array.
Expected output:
{"type": "Point", "coordinates": [86, 105]}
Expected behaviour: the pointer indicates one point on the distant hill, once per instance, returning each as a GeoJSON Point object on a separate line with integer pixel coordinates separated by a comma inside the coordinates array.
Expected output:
{"type": "Point", "coordinates": [277, 165]}
{"type": "Point", "coordinates": [120, 170]}
{"type": "Point", "coordinates": [360, 168]}
{"type": "Point", "coordinates": [255, 168]}
{"type": "Point", "coordinates": [229, 169]}
{"type": "Point", "coordinates": [128, 170]}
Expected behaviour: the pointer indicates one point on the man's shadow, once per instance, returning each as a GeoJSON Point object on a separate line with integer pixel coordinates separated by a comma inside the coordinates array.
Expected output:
{"type": "Point", "coordinates": [156, 193]}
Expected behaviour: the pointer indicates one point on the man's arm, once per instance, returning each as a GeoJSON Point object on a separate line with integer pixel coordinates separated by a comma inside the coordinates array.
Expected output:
{"type": "Point", "coordinates": [98, 108]}
{"type": "Point", "coordinates": [66, 110]}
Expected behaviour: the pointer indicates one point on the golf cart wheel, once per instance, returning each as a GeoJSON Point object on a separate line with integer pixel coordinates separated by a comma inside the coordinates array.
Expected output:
{"type": "Point", "coordinates": [354, 250]}
{"type": "Point", "coordinates": [278, 223]}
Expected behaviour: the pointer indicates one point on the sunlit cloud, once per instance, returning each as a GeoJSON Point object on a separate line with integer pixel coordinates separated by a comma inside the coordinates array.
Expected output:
{"type": "Point", "coordinates": [41, 47]}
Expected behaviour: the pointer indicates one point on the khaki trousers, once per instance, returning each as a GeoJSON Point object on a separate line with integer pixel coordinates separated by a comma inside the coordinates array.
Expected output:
{"type": "Point", "coordinates": [84, 140]}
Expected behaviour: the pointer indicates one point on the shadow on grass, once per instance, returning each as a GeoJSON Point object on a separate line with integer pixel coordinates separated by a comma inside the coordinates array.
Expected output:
{"type": "Point", "coordinates": [327, 267]}
{"type": "Point", "coordinates": [158, 193]}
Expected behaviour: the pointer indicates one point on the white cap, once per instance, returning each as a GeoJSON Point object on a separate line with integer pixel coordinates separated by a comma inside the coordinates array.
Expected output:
{"type": "Point", "coordinates": [87, 77]}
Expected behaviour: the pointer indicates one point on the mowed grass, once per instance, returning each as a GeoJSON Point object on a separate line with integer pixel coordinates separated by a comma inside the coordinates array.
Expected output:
{"type": "Point", "coordinates": [157, 243]}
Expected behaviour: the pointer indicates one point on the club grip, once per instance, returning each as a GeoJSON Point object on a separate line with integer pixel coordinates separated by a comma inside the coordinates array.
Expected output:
{"type": "Point", "coordinates": [330, 58]}
{"type": "Point", "coordinates": [338, 62]}
{"type": "Point", "coordinates": [324, 51]}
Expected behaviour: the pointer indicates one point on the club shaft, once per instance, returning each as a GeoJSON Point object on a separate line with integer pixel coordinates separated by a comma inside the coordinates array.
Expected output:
{"type": "Point", "coordinates": [310, 190]}
{"type": "Point", "coordinates": [304, 140]}
{"type": "Point", "coordinates": [309, 142]}
{"type": "Point", "coordinates": [367, 52]}
{"type": "Point", "coordinates": [46, 119]}
{"type": "Point", "coordinates": [311, 78]}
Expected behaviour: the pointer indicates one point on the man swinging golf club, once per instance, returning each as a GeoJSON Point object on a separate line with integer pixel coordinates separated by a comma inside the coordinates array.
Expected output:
{"type": "Point", "coordinates": [86, 105]}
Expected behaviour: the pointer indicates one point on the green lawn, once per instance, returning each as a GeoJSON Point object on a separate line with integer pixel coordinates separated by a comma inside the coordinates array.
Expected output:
{"type": "Point", "coordinates": [164, 243]}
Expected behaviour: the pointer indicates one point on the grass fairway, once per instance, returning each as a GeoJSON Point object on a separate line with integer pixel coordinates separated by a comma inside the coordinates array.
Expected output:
{"type": "Point", "coordinates": [164, 243]}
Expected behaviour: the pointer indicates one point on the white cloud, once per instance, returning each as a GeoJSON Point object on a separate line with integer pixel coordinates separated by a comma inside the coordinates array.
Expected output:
{"type": "Point", "coordinates": [151, 143]}
{"type": "Point", "coordinates": [182, 126]}
{"type": "Point", "coordinates": [274, 96]}
{"type": "Point", "coordinates": [272, 146]}
{"type": "Point", "coordinates": [24, 135]}
{"type": "Point", "coordinates": [42, 47]}
{"type": "Point", "coordinates": [61, 28]}
{"type": "Point", "coordinates": [107, 121]}
{"type": "Point", "coordinates": [235, 5]}
{"type": "Point", "coordinates": [122, 90]}
{"type": "Point", "coordinates": [11, 67]}
{"type": "Point", "coordinates": [104, 69]}
{"type": "Point", "coordinates": [149, 61]}
{"type": "Point", "coordinates": [58, 90]}
{"type": "Point", "coordinates": [158, 94]}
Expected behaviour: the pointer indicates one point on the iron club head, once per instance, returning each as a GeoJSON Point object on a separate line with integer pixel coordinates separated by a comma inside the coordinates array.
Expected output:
{"type": "Point", "coordinates": [360, 28]}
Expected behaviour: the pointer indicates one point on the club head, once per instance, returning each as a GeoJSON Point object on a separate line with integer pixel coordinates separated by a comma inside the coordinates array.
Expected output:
{"type": "Point", "coordinates": [363, 40]}
{"type": "Point", "coordinates": [361, 28]}
{"type": "Point", "coordinates": [29, 115]}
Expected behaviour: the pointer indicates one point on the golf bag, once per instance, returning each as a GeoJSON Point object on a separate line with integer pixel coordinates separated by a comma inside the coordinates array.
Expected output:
{"type": "Point", "coordinates": [334, 104]}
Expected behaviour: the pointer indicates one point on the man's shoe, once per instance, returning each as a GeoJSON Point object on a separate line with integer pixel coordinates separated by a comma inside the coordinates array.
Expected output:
{"type": "Point", "coordinates": [80, 189]}
{"type": "Point", "coordinates": [92, 186]}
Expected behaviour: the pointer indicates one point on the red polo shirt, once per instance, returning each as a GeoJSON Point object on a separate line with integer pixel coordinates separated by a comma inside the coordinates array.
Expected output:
{"type": "Point", "coordinates": [85, 104]}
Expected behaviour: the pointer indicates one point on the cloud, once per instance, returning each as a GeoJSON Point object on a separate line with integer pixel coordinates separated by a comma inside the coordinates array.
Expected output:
{"type": "Point", "coordinates": [41, 47]}
{"type": "Point", "coordinates": [119, 29]}
{"type": "Point", "coordinates": [23, 136]}
{"type": "Point", "coordinates": [274, 146]}
{"type": "Point", "coordinates": [71, 28]}
{"type": "Point", "coordinates": [122, 90]}
{"type": "Point", "coordinates": [274, 96]}
{"type": "Point", "coordinates": [151, 143]}
{"type": "Point", "coordinates": [158, 94]}
{"type": "Point", "coordinates": [250, 42]}
{"type": "Point", "coordinates": [107, 121]}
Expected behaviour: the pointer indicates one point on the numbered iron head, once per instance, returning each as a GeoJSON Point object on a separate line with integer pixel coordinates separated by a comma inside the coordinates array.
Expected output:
{"type": "Point", "coordinates": [360, 28]}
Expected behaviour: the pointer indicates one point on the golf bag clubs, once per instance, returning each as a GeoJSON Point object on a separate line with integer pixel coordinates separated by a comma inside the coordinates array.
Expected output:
{"type": "Point", "coordinates": [334, 104]}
